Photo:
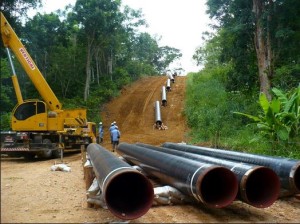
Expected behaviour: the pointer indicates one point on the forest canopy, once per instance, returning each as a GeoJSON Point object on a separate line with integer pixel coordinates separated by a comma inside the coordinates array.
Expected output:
{"type": "Point", "coordinates": [90, 49]}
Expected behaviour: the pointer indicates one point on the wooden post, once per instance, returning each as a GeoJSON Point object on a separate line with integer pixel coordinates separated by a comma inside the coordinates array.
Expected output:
{"type": "Point", "coordinates": [88, 173]}
{"type": "Point", "coordinates": [83, 154]}
{"type": "Point", "coordinates": [89, 177]}
{"type": "Point", "coordinates": [61, 148]}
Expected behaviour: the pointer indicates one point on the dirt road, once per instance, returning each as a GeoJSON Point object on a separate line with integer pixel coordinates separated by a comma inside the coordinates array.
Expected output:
{"type": "Point", "coordinates": [31, 193]}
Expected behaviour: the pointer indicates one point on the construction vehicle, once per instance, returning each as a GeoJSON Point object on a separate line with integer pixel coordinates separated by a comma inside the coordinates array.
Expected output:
{"type": "Point", "coordinates": [40, 128]}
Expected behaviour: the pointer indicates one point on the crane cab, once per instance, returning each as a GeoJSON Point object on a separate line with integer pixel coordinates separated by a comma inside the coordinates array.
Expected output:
{"type": "Point", "coordinates": [32, 115]}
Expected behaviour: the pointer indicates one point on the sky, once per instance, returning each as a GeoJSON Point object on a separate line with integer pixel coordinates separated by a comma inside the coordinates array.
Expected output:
{"type": "Point", "coordinates": [179, 23]}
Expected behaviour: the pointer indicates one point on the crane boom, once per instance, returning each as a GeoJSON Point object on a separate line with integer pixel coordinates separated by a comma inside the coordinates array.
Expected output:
{"type": "Point", "coordinates": [11, 40]}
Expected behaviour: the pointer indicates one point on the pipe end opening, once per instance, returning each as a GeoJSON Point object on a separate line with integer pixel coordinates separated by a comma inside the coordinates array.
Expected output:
{"type": "Point", "coordinates": [262, 187]}
{"type": "Point", "coordinates": [296, 178]}
{"type": "Point", "coordinates": [219, 187]}
{"type": "Point", "coordinates": [129, 195]}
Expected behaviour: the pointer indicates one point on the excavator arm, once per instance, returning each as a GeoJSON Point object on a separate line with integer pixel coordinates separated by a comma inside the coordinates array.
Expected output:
{"type": "Point", "coordinates": [11, 41]}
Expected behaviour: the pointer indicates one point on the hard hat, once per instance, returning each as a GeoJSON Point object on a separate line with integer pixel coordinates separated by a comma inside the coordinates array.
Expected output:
{"type": "Point", "coordinates": [114, 122]}
{"type": "Point", "coordinates": [100, 122]}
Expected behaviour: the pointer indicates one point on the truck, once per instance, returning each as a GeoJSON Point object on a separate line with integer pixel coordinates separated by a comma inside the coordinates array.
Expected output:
{"type": "Point", "coordinates": [40, 128]}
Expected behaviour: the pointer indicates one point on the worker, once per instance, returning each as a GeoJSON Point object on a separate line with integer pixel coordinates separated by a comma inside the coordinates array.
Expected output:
{"type": "Point", "coordinates": [115, 136]}
{"type": "Point", "coordinates": [101, 132]}
{"type": "Point", "coordinates": [111, 128]}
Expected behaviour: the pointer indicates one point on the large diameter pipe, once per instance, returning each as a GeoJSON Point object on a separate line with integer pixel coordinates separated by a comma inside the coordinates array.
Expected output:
{"type": "Point", "coordinates": [258, 186]}
{"type": "Point", "coordinates": [163, 96]}
{"type": "Point", "coordinates": [158, 120]}
{"type": "Point", "coordinates": [128, 193]}
{"type": "Point", "coordinates": [288, 170]}
{"type": "Point", "coordinates": [211, 185]}
{"type": "Point", "coordinates": [168, 85]}
{"type": "Point", "coordinates": [171, 78]}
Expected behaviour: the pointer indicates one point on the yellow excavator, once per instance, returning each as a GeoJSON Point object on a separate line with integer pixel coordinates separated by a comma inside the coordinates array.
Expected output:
{"type": "Point", "coordinates": [40, 127]}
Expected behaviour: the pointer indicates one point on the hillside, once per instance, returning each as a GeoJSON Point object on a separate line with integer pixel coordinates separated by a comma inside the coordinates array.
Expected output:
{"type": "Point", "coordinates": [134, 112]}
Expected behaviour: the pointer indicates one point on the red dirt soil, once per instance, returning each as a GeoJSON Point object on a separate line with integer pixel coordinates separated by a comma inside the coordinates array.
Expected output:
{"type": "Point", "coordinates": [31, 193]}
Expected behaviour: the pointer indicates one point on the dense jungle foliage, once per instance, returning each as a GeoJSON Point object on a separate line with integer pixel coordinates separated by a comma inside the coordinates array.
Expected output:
{"type": "Point", "coordinates": [251, 68]}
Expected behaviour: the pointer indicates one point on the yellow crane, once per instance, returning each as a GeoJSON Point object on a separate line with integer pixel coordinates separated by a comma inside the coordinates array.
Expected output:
{"type": "Point", "coordinates": [40, 127]}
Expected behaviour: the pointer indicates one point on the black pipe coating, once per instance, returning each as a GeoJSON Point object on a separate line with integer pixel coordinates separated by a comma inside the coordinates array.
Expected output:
{"type": "Point", "coordinates": [128, 193]}
{"type": "Point", "coordinates": [212, 185]}
{"type": "Point", "coordinates": [258, 186]}
{"type": "Point", "coordinates": [288, 170]}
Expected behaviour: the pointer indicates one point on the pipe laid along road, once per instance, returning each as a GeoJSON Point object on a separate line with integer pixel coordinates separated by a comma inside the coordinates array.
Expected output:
{"type": "Point", "coordinates": [288, 170]}
{"type": "Point", "coordinates": [258, 186]}
{"type": "Point", "coordinates": [211, 185]}
{"type": "Point", "coordinates": [128, 193]}
{"type": "Point", "coordinates": [163, 96]}
{"type": "Point", "coordinates": [158, 120]}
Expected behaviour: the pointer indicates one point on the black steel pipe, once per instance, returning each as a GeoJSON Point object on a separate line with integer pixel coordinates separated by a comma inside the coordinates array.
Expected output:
{"type": "Point", "coordinates": [158, 120]}
{"type": "Point", "coordinates": [163, 96]}
{"type": "Point", "coordinates": [288, 170]}
{"type": "Point", "coordinates": [128, 193]}
{"type": "Point", "coordinates": [212, 185]}
{"type": "Point", "coordinates": [258, 186]}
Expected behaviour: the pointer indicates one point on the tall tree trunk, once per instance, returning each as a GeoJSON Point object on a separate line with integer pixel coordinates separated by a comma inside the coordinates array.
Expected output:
{"type": "Point", "coordinates": [263, 49]}
{"type": "Point", "coordinates": [97, 66]}
{"type": "Point", "coordinates": [88, 70]}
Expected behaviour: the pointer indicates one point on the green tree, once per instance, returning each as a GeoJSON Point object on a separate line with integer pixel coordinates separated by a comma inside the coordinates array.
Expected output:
{"type": "Point", "coordinates": [252, 33]}
{"type": "Point", "coordinates": [100, 21]}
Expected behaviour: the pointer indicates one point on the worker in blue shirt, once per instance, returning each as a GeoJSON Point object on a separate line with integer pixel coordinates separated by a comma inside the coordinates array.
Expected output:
{"type": "Point", "coordinates": [112, 127]}
{"type": "Point", "coordinates": [115, 136]}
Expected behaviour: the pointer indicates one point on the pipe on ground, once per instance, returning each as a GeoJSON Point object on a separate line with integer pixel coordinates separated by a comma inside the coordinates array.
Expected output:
{"type": "Point", "coordinates": [211, 185]}
{"type": "Point", "coordinates": [164, 96]}
{"type": "Point", "coordinates": [288, 170]}
{"type": "Point", "coordinates": [258, 186]}
{"type": "Point", "coordinates": [128, 193]}
{"type": "Point", "coordinates": [158, 120]}
{"type": "Point", "coordinates": [168, 84]}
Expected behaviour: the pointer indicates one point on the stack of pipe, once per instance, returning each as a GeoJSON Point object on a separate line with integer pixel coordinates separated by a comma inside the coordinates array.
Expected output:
{"type": "Point", "coordinates": [258, 186]}
{"type": "Point", "coordinates": [288, 170]}
{"type": "Point", "coordinates": [212, 185]}
{"type": "Point", "coordinates": [128, 194]}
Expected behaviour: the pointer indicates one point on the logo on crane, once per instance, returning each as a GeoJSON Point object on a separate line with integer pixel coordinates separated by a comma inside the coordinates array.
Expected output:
{"type": "Point", "coordinates": [27, 59]}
